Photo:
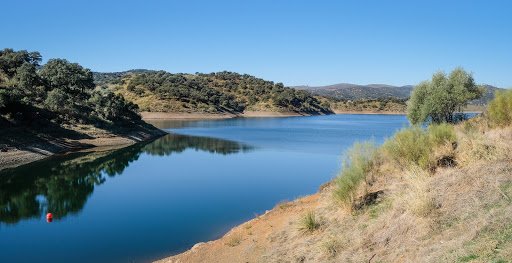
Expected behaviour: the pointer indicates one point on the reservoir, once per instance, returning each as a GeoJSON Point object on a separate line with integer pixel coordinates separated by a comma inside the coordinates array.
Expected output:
{"type": "Point", "coordinates": [155, 199]}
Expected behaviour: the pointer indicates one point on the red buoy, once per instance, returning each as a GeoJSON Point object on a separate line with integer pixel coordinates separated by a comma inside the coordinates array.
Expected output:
{"type": "Point", "coordinates": [49, 215]}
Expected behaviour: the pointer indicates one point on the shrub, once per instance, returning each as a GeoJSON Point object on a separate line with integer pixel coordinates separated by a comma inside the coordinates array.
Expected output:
{"type": "Point", "coordinates": [359, 162]}
{"type": "Point", "coordinates": [500, 108]}
{"type": "Point", "coordinates": [58, 100]}
{"type": "Point", "coordinates": [307, 222]}
{"type": "Point", "coordinates": [415, 145]}
{"type": "Point", "coordinates": [331, 246]}
{"type": "Point", "coordinates": [235, 241]}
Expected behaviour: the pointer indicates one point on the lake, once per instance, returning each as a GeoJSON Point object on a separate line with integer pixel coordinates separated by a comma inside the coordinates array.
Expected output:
{"type": "Point", "coordinates": [155, 199]}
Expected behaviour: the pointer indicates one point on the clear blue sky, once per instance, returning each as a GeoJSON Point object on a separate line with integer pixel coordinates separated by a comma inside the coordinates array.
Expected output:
{"type": "Point", "coordinates": [294, 42]}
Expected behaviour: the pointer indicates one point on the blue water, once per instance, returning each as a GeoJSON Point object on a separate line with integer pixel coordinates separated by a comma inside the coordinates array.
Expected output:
{"type": "Point", "coordinates": [156, 199]}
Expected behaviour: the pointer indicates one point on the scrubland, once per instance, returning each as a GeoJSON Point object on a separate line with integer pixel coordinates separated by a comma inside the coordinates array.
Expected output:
{"type": "Point", "coordinates": [436, 194]}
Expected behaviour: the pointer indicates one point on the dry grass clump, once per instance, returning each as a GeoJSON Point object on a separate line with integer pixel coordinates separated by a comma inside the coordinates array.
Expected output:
{"type": "Point", "coordinates": [419, 199]}
{"type": "Point", "coordinates": [477, 146]}
{"type": "Point", "coordinates": [359, 165]}
{"type": "Point", "coordinates": [331, 246]}
{"type": "Point", "coordinates": [235, 241]}
{"type": "Point", "coordinates": [307, 223]}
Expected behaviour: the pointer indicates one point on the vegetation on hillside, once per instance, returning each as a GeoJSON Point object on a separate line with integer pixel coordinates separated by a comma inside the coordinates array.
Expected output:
{"type": "Point", "coordinates": [160, 91]}
{"type": "Point", "coordinates": [106, 78]}
{"type": "Point", "coordinates": [60, 92]}
{"type": "Point", "coordinates": [352, 92]}
{"type": "Point", "coordinates": [51, 107]}
{"type": "Point", "coordinates": [356, 92]}
{"type": "Point", "coordinates": [438, 100]}
{"type": "Point", "coordinates": [369, 105]}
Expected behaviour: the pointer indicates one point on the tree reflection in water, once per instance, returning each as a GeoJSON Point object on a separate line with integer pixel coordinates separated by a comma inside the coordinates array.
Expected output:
{"type": "Point", "coordinates": [63, 184]}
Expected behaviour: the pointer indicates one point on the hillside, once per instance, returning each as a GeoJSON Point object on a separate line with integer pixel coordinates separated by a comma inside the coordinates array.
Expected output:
{"type": "Point", "coordinates": [441, 194]}
{"type": "Point", "coordinates": [354, 91]}
{"type": "Point", "coordinates": [374, 91]}
{"type": "Point", "coordinates": [55, 108]}
{"type": "Point", "coordinates": [221, 92]}
{"type": "Point", "coordinates": [368, 106]}
{"type": "Point", "coordinates": [105, 78]}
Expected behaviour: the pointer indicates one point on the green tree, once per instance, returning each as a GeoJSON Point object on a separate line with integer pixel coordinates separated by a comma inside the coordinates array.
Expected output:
{"type": "Point", "coordinates": [58, 100]}
{"type": "Point", "coordinates": [71, 77]}
{"type": "Point", "coordinates": [439, 99]}
{"type": "Point", "coordinates": [11, 60]}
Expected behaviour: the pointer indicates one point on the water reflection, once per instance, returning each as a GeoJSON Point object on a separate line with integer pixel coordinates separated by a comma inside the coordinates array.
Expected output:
{"type": "Point", "coordinates": [62, 185]}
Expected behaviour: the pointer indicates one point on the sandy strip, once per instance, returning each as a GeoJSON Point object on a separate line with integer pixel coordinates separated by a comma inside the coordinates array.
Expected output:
{"type": "Point", "coordinates": [183, 116]}
{"type": "Point", "coordinates": [200, 116]}
{"type": "Point", "coordinates": [385, 112]}
{"type": "Point", "coordinates": [14, 157]}
{"type": "Point", "coordinates": [372, 112]}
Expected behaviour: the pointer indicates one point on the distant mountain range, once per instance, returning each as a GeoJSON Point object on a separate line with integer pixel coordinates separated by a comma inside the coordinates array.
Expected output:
{"type": "Point", "coordinates": [374, 91]}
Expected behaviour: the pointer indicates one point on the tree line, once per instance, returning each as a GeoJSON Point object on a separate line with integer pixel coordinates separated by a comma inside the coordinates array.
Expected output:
{"type": "Point", "coordinates": [59, 89]}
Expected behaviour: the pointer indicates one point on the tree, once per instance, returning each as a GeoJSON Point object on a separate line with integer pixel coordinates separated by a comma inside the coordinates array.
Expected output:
{"type": "Point", "coordinates": [58, 100]}
{"type": "Point", "coordinates": [11, 60]}
{"type": "Point", "coordinates": [439, 99]}
{"type": "Point", "coordinates": [71, 77]}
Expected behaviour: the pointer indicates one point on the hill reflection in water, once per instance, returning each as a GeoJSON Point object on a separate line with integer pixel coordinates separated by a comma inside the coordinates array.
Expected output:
{"type": "Point", "coordinates": [63, 184]}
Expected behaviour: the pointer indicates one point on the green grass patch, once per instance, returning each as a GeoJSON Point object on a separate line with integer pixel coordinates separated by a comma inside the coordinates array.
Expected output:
{"type": "Point", "coordinates": [468, 258]}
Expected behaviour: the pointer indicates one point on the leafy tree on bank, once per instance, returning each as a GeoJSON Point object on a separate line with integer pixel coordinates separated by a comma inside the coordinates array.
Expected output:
{"type": "Point", "coordinates": [438, 100]}
{"type": "Point", "coordinates": [60, 90]}
{"type": "Point", "coordinates": [61, 74]}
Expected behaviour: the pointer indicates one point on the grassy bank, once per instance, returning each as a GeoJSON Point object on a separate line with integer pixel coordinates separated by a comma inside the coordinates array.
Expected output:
{"type": "Point", "coordinates": [441, 194]}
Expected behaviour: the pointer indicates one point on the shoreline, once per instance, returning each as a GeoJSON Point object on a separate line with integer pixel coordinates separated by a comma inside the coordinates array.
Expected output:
{"type": "Point", "coordinates": [259, 228]}
{"type": "Point", "coordinates": [201, 116]}
{"type": "Point", "coordinates": [21, 155]}
{"type": "Point", "coordinates": [385, 112]}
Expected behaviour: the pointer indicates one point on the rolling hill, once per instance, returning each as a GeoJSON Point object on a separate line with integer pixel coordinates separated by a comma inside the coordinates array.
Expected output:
{"type": "Point", "coordinates": [213, 93]}
{"type": "Point", "coordinates": [346, 91]}
{"type": "Point", "coordinates": [354, 91]}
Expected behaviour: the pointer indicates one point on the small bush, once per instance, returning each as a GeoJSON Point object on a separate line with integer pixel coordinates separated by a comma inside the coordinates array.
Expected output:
{"type": "Point", "coordinates": [416, 145]}
{"type": "Point", "coordinates": [331, 246]}
{"type": "Point", "coordinates": [307, 222]}
{"type": "Point", "coordinates": [235, 241]}
{"type": "Point", "coordinates": [500, 108]}
{"type": "Point", "coordinates": [358, 163]}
